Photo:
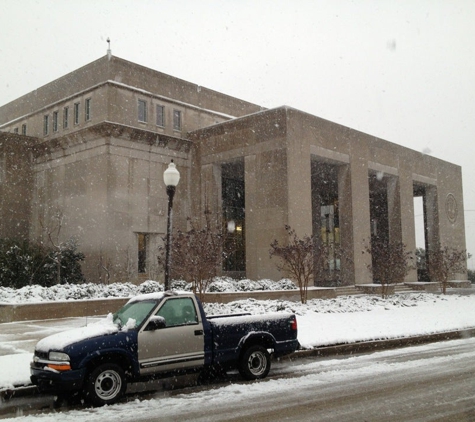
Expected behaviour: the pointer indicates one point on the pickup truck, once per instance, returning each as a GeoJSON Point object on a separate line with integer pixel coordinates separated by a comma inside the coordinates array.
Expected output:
{"type": "Point", "coordinates": [158, 335]}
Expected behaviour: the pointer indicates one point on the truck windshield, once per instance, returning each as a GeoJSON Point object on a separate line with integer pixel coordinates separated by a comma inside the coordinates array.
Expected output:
{"type": "Point", "coordinates": [133, 314]}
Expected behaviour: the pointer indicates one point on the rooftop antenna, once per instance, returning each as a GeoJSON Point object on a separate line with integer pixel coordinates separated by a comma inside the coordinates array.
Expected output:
{"type": "Point", "coordinates": [109, 52]}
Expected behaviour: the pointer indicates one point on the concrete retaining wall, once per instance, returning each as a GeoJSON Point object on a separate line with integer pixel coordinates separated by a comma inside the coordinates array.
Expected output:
{"type": "Point", "coordinates": [78, 308]}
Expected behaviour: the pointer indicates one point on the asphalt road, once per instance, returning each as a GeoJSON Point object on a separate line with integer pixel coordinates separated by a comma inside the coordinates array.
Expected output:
{"type": "Point", "coordinates": [432, 382]}
{"type": "Point", "coordinates": [425, 383]}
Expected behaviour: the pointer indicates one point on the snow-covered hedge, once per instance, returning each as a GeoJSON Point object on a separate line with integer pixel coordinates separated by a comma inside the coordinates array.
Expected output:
{"type": "Point", "coordinates": [36, 293]}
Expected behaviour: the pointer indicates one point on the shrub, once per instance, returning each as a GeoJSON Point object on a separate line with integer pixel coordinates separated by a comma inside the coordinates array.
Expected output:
{"type": "Point", "coordinates": [24, 263]}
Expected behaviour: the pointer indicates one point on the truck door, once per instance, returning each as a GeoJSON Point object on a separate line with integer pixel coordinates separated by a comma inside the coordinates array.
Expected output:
{"type": "Point", "coordinates": [179, 345]}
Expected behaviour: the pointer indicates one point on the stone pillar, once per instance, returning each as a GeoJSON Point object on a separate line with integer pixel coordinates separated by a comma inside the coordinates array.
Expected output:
{"type": "Point", "coordinates": [353, 197]}
{"type": "Point", "coordinates": [431, 222]}
{"type": "Point", "coordinates": [299, 190]}
{"type": "Point", "coordinates": [265, 187]}
{"type": "Point", "coordinates": [406, 215]}
{"type": "Point", "coordinates": [211, 196]}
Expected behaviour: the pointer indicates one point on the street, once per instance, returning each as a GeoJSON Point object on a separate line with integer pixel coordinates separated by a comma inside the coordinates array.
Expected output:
{"type": "Point", "coordinates": [433, 382]}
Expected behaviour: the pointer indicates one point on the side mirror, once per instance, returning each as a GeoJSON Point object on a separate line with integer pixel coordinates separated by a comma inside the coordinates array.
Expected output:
{"type": "Point", "coordinates": [156, 323]}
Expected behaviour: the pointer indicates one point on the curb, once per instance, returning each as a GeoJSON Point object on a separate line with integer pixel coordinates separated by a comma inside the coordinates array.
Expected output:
{"type": "Point", "coordinates": [334, 350]}
{"type": "Point", "coordinates": [365, 346]}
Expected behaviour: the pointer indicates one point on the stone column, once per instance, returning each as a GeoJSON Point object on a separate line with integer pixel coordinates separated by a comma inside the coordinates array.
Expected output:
{"type": "Point", "coordinates": [353, 197]}
{"type": "Point", "coordinates": [406, 215]}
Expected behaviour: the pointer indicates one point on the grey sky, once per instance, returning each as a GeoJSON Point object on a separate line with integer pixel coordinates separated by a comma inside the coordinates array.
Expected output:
{"type": "Point", "coordinates": [400, 70]}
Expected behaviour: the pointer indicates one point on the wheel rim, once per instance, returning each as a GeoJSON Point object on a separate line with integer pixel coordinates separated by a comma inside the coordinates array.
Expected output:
{"type": "Point", "coordinates": [257, 363]}
{"type": "Point", "coordinates": [108, 384]}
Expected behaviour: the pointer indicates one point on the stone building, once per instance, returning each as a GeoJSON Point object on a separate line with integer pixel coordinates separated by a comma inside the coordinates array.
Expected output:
{"type": "Point", "coordinates": [92, 147]}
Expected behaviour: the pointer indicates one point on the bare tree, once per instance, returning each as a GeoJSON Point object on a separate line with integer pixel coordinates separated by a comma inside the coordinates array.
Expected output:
{"type": "Point", "coordinates": [298, 259]}
{"type": "Point", "coordinates": [53, 231]}
{"type": "Point", "coordinates": [103, 267]}
{"type": "Point", "coordinates": [443, 262]}
{"type": "Point", "coordinates": [391, 262]}
{"type": "Point", "coordinates": [197, 254]}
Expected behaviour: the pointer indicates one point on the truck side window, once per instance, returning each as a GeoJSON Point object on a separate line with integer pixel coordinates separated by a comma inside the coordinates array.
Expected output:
{"type": "Point", "coordinates": [180, 311]}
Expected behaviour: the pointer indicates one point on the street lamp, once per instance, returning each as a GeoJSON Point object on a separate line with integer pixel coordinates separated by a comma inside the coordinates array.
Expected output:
{"type": "Point", "coordinates": [171, 177]}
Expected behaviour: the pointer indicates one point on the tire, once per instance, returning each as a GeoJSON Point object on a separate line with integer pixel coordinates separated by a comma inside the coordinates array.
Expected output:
{"type": "Point", "coordinates": [106, 384]}
{"type": "Point", "coordinates": [254, 363]}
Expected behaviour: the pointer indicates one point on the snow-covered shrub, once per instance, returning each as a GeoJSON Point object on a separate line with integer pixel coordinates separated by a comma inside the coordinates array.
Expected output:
{"type": "Point", "coordinates": [285, 284]}
{"type": "Point", "coordinates": [181, 285]}
{"type": "Point", "coordinates": [150, 286]}
{"type": "Point", "coordinates": [221, 284]}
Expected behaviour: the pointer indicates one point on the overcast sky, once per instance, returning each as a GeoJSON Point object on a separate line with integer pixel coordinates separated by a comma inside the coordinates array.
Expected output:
{"type": "Point", "coordinates": [400, 70]}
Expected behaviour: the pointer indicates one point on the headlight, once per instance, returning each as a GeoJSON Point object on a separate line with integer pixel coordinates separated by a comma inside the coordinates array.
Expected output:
{"type": "Point", "coordinates": [58, 357]}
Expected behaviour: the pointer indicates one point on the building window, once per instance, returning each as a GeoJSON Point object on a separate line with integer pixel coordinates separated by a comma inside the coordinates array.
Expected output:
{"type": "Point", "coordinates": [160, 115]}
{"type": "Point", "coordinates": [65, 117]}
{"type": "Point", "coordinates": [142, 252]}
{"type": "Point", "coordinates": [2, 168]}
{"type": "Point", "coordinates": [76, 113]}
{"type": "Point", "coordinates": [55, 121]}
{"type": "Point", "coordinates": [233, 208]}
{"type": "Point", "coordinates": [15, 130]}
{"type": "Point", "coordinates": [23, 129]}
{"type": "Point", "coordinates": [45, 125]}
{"type": "Point", "coordinates": [87, 110]}
{"type": "Point", "coordinates": [142, 111]}
{"type": "Point", "coordinates": [176, 119]}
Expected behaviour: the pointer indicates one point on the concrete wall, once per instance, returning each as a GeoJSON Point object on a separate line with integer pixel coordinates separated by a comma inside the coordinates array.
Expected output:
{"type": "Point", "coordinates": [52, 310]}
{"type": "Point", "coordinates": [109, 186]}
{"type": "Point", "coordinates": [16, 181]}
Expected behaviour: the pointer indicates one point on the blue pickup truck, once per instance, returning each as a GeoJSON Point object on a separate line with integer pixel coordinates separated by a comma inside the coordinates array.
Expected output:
{"type": "Point", "coordinates": [155, 336]}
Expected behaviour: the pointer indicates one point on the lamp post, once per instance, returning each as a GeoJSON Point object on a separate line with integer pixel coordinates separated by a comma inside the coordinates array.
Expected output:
{"type": "Point", "coordinates": [171, 177]}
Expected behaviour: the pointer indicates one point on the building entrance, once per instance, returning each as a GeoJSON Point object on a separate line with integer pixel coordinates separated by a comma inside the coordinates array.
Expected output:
{"type": "Point", "coordinates": [326, 223]}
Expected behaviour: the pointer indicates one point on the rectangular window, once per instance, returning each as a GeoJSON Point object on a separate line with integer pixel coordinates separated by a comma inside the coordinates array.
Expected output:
{"type": "Point", "coordinates": [160, 115]}
{"type": "Point", "coordinates": [65, 117]}
{"type": "Point", "coordinates": [176, 119]}
{"type": "Point", "coordinates": [55, 121]}
{"type": "Point", "coordinates": [45, 125]}
{"type": "Point", "coordinates": [23, 129]}
{"type": "Point", "coordinates": [15, 130]}
{"type": "Point", "coordinates": [76, 113]}
{"type": "Point", "coordinates": [87, 110]}
{"type": "Point", "coordinates": [2, 168]}
{"type": "Point", "coordinates": [142, 249]}
{"type": "Point", "coordinates": [142, 111]}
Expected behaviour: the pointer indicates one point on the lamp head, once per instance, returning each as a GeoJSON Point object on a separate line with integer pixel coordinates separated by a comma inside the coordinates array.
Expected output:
{"type": "Point", "coordinates": [171, 176]}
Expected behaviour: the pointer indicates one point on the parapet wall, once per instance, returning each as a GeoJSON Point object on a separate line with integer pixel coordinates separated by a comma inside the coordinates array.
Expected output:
{"type": "Point", "coordinates": [79, 308]}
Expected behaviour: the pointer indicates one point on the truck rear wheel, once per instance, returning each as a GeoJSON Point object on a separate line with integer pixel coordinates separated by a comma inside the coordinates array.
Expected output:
{"type": "Point", "coordinates": [255, 363]}
{"type": "Point", "coordinates": [106, 384]}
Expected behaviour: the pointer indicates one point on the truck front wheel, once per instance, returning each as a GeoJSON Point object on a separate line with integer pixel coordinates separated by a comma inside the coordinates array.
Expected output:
{"type": "Point", "coordinates": [255, 363]}
{"type": "Point", "coordinates": [106, 384]}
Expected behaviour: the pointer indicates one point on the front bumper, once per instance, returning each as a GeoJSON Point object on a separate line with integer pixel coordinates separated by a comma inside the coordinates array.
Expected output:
{"type": "Point", "coordinates": [56, 382]}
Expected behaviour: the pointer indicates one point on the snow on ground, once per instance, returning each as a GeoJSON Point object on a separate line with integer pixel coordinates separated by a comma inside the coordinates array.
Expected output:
{"type": "Point", "coordinates": [344, 319]}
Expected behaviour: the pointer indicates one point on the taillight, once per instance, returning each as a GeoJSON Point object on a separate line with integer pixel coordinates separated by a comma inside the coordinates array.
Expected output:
{"type": "Point", "coordinates": [293, 324]}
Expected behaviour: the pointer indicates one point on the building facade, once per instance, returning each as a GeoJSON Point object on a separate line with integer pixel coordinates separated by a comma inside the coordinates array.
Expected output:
{"type": "Point", "coordinates": [92, 147]}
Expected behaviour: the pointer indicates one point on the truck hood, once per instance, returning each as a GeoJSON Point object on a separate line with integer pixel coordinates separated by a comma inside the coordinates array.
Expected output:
{"type": "Point", "coordinates": [59, 341]}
